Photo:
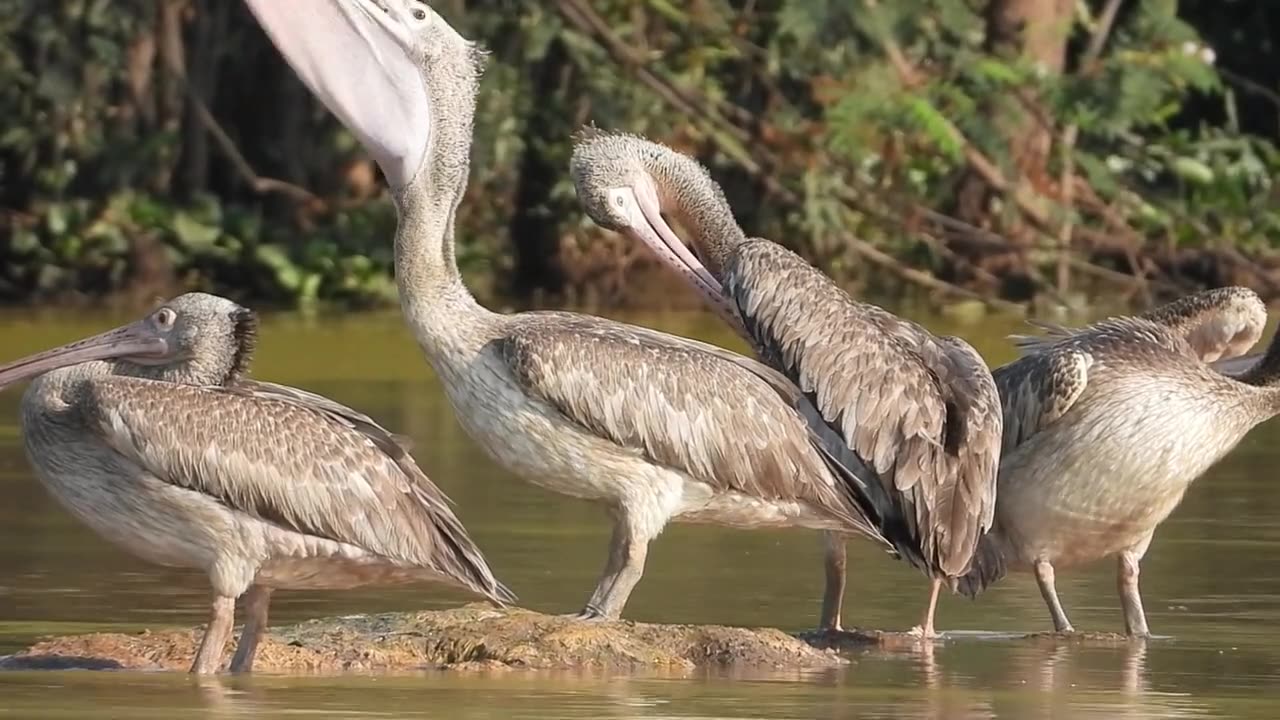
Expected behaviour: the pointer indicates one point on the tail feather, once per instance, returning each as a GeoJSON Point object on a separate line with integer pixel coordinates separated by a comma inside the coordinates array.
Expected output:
{"type": "Point", "coordinates": [881, 520]}
{"type": "Point", "coordinates": [987, 568]}
{"type": "Point", "coordinates": [456, 555]}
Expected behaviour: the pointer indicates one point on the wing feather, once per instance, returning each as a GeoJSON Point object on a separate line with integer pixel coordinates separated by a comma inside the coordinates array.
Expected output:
{"type": "Point", "coordinates": [1037, 390]}
{"type": "Point", "coordinates": [684, 404]}
{"type": "Point", "coordinates": [922, 412]}
{"type": "Point", "coordinates": [271, 452]}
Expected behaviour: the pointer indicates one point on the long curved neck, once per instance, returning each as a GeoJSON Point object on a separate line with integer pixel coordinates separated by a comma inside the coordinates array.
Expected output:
{"type": "Point", "coordinates": [436, 304]}
{"type": "Point", "coordinates": [426, 265]}
{"type": "Point", "coordinates": [696, 202]}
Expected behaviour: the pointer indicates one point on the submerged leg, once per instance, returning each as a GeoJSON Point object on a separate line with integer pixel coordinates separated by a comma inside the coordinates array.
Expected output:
{"type": "Point", "coordinates": [835, 560]}
{"type": "Point", "coordinates": [627, 551]}
{"type": "Point", "coordinates": [1127, 572]}
{"type": "Point", "coordinates": [221, 617]}
{"type": "Point", "coordinates": [1044, 578]}
{"type": "Point", "coordinates": [256, 602]}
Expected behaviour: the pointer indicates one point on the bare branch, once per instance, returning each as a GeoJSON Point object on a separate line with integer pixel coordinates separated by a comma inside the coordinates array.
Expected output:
{"type": "Point", "coordinates": [258, 183]}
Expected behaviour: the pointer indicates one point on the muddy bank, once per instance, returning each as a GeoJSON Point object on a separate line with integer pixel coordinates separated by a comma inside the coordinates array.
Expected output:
{"type": "Point", "coordinates": [474, 637]}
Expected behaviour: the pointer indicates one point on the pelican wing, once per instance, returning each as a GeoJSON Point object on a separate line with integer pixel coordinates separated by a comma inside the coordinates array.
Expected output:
{"type": "Point", "coordinates": [678, 403]}
{"type": "Point", "coordinates": [393, 444]}
{"type": "Point", "coordinates": [277, 457]}
{"type": "Point", "coordinates": [922, 412]}
{"type": "Point", "coordinates": [1036, 390]}
{"type": "Point", "coordinates": [360, 62]}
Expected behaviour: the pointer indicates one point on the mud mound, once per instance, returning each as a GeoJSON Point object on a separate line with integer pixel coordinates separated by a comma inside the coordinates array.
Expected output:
{"type": "Point", "coordinates": [470, 637]}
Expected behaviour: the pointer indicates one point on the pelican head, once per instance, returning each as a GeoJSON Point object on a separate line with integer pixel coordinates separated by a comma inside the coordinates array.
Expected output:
{"type": "Point", "coordinates": [388, 69]}
{"type": "Point", "coordinates": [198, 337]}
{"type": "Point", "coordinates": [625, 183]}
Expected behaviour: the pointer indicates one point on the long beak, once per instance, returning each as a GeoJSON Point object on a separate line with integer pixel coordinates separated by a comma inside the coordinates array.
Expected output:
{"type": "Point", "coordinates": [1236, 366]}
{"type": "Point", "coordinates": [133, 340]}
{"type": "Point", "coordinates": [357, 57]}
{"type": "Point", "coordinates": [654, 231]}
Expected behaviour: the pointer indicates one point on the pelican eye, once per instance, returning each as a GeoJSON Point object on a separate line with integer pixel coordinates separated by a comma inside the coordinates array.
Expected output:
{"type": "Point", "coordinates": [165, 317]}
{"type": "Point", "coordinates": [419, 14]}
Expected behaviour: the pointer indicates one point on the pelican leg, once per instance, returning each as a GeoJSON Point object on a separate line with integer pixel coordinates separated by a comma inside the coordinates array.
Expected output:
{"type": "Point", "coordinates": [622, 571]}
{"type": "Point", "coordinates": [1127, 572]}
{"type": "Point", "coordinates": [256, 602]}
{"type": "Point", "coordinates": [835, 560]}
{"type": "Point", "coordinates": [216, 634]}
{"type": "Point", "coordinates": [925, 629]}
{"type": "Point", "coordinates": [1049, 591]}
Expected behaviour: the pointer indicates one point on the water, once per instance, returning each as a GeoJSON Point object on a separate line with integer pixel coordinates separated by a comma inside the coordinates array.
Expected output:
{"type": "Point", "coordinates": [1208, 581]}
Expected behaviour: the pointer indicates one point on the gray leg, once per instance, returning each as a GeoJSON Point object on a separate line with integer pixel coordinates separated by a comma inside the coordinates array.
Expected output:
{"type": "Point", "coordinates": [256, 602]}
{"type": "Point", "coordinates": [1044, 578]}
{"type": "Point", "coordinates": [835, 560]}
{"type": "Point", "coordinates": [221, 617]}
{"type": "Point", "coordinates": [1127, 571]}
{"type": "Point", "coordinates": [627, 553]}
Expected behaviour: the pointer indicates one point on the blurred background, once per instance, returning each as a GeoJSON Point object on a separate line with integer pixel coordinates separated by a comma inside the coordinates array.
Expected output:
{"type": "Point", "coordinates": [997, 150]}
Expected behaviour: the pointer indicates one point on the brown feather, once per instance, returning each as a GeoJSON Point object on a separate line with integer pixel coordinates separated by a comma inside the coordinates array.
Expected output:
{"type": "Point", "coordinates": [687, 405]}
{"type": "Point", "coordinates": [330, 480]}
{"type": "Point", "coordinates": [920, 411]}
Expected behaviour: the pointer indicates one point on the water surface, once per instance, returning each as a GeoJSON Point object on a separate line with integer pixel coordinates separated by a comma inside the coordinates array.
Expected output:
{"type": "Point", "coordinates": [1209, 583]}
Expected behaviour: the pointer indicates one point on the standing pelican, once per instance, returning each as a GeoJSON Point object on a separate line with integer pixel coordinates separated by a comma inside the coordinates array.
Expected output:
{"type": "Point", "coordinates": [652, 426]}
{"type": "Point", "coordinates": [1107, 426]}
{"type": "Point", "coordinates": [920, 412]}
{"type": "Point", "coordinates": [150, 436]}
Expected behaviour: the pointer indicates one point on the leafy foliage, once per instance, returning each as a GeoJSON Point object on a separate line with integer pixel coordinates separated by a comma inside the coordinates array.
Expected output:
{"type": "Point", "coordinates": [851, 131]}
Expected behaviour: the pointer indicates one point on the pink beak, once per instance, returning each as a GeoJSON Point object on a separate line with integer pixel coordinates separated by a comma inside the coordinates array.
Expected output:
{"type": "Point", "coordinates": [133, 340]}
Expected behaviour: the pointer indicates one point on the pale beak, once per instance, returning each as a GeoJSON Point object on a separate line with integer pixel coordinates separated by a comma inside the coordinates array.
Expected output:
{"type": "Point", "coordinates": [357, 57]}
{"type": "Point", "coordinates": [1236, 366]}
{"type": "Point", "coordinates": [131, 341]}
{"type": "Point", "coordinates": [652, 230]}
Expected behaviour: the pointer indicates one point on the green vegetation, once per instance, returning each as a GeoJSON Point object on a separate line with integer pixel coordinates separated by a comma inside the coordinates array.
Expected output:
{"type": "Point", "coordinates": [1000, 149]}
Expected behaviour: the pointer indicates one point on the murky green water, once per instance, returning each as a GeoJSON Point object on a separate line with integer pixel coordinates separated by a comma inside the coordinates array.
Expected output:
{"type": "Point", "coordinates": [1210, 585]}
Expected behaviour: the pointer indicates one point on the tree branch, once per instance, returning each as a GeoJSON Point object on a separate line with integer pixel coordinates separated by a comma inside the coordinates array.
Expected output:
{"type": "Point", "coordinates": [980, 163]}
{"type": "Point", "coordinates": [259, 184]}
{"type": "Point", "coordinates": [587, 20]}
{"type": "Point", "coordinates": [1066, 185]}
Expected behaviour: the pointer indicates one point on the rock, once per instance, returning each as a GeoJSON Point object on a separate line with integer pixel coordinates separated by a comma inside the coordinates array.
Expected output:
{"type": "Point", "coordinates": [474, 637]}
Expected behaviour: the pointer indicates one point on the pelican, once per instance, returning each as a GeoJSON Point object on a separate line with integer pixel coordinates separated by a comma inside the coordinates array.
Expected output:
{"type": "Point", "coordinates": [151, 436]}
{"type": "Point", "coordinates": [1103, 429]}
{"type": "Point", "coordinates": [1108, 425]}
{"type": "Point", "coordinates": [921, 413]}
{"type": "Point", "coordinates": [653, 427]}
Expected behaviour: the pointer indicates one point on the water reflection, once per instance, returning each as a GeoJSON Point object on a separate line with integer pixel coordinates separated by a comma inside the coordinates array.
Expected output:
{"type": "Point", "coordinates": [1209, 581]}
{"type": "Point", "coordinates": [1044, 680]}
